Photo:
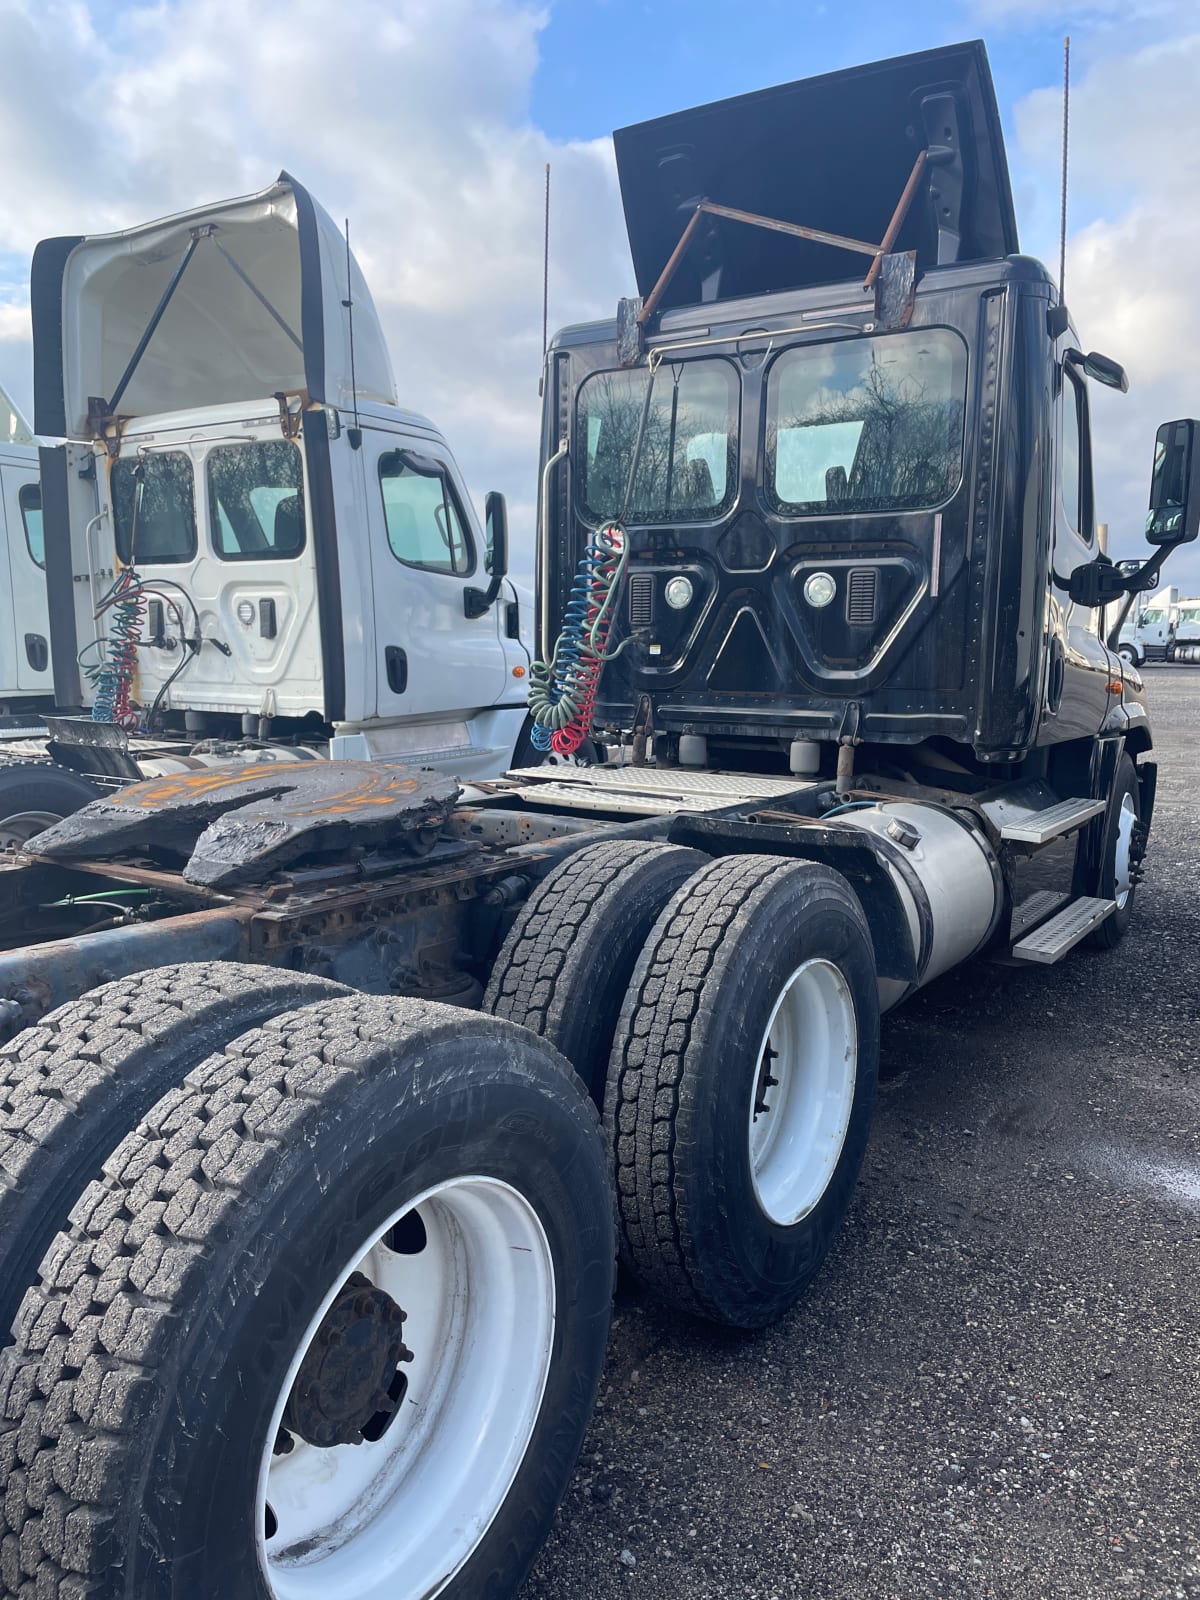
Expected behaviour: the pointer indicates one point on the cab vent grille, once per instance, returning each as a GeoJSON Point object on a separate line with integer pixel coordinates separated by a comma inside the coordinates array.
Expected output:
{"type": "Point", "coordinates": [860, 597]}
{"type": "Point", "coordinates": [641, 600]}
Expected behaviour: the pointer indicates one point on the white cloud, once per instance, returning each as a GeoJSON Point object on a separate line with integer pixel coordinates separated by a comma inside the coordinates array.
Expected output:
{"type": "Point", "coordinates": [1135, 170]}
{"type": "Point", "coordinates": [408, 116]}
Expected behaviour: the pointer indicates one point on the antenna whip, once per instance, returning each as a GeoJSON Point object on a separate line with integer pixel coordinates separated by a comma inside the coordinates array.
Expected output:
{"type": "Point", "coordinates": [1063, 221]}
{"type": "Point", "coordinates": [348, 302]}
{"type": "Point", "coordinates": [546, 268]}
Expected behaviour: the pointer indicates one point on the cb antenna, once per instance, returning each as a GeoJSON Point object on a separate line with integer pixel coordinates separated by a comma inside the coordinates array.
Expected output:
{"type": "Point", "coordinates": [546, 270]}
{"type": "Point", "coordinates": [1062, 231]}
{"type": "Point", "coordinates": [354, 434]}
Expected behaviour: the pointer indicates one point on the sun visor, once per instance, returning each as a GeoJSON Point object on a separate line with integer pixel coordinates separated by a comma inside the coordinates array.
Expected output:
{"type": "Point", "coordinates": [233, 301]}
{"type": "Point", "coordinates": [831, 153]}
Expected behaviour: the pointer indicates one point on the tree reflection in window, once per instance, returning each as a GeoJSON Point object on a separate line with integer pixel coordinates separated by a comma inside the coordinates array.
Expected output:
{"type": "Point", "coordinates": [687, 464]}
{"type": "Point", "coordinates": [153, 508]}
{"type": "Point", "coordinates": [867, 424]}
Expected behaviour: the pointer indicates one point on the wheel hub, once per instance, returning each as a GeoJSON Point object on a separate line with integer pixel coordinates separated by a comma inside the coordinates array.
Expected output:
{"type": "Point", "coordinates": [349, 1385]}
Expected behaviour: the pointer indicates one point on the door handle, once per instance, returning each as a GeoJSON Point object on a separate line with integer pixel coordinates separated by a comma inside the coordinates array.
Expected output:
{"type": "Point", "coordinates": [396, 664]}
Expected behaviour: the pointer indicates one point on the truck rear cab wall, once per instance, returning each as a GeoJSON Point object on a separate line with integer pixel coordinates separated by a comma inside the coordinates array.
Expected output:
{"type": "Point", "coordinates": [969, 663]}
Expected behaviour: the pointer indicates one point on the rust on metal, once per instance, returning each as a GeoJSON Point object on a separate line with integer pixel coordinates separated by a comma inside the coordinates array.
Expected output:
{"type": "Point", "coordinates": [895, 289]}
{"type": "Point", "coordinates": [796, 230]}
{"type": "Point", "coordinates": [668, 272]}
{"type": "Point", "coordinates": [902, 209]}
{"type": "Point", "coordinates": [238, 824]}
{"type": "Point", "coordinates": [35, 979]}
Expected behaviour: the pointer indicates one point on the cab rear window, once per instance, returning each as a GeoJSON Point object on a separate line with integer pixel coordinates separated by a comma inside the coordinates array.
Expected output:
{"type": "Point", "coordinates": [871, 424]}
{"type": "Point", "coordinates": [154, 510]}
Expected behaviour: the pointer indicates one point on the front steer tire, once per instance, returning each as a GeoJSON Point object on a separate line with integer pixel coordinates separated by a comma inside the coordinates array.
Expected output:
{"type": "Point", "coordinates": [74, 1084]}
{"type": "Point", "coordinates": [1121, 835]}
{"type": "Point", "coordinates": [138, 1404]}
{"type": "Point", "coordinates": [687, 1064]}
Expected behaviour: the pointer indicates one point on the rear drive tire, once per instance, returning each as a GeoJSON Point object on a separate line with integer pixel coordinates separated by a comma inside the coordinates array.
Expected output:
{"type": "Point", "coordinates": [566, 964]}
{"type": "Point", "coordinates": [754, 997]}
{"type": "Point", "coordinates": [75, 1084]}
{"type": "Point", "coordinates": [34, 795]}
{"type": "Point", "coordinates": [197, 1341]}
{"type": "Point", "coordinates": [1118, 853]}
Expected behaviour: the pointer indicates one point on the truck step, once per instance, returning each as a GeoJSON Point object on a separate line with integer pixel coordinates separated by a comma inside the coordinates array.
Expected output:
{"type": "Point", "coordinates": [1053, 939]}
{"type": "Point", "coordinates": [1052, 823]}
{"type": "Point", "coordinates": [1034, 910]}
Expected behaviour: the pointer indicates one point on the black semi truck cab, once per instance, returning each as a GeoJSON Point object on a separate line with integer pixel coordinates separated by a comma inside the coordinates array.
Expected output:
{"type": "Point", "coordinates": [820, 596]}
{"type": "Point", "coordinates": [855, 486]}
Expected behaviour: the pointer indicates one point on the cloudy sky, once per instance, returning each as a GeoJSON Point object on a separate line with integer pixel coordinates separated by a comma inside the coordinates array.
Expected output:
{"type": "Point", "coordinates": [429, 123]}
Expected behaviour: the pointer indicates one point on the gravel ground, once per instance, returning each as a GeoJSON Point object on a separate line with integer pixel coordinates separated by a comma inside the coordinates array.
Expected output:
{"type": "Point", "coordinates": [992, 1389]}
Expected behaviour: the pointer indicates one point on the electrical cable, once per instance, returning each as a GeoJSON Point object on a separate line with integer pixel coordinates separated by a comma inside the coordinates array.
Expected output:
{"type": "Point", "coordinates": [563, 690]}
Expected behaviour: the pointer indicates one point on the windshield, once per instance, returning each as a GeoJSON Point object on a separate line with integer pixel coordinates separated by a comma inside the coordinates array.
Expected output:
{"type": "Point", "coordinates": [867, 424]}
{"type": "Point", "coordinates": [687, 467]}
{"type": "Point", "coordinates": [1190, 614]}
{"type": "Point", "coordinates": [256, 501]}
{"type": "Point", "coordinates": [153, 509]}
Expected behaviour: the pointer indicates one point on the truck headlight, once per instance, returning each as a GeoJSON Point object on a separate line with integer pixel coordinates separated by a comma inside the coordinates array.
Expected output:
{"type": "Point", "coordinates": [819, 589]}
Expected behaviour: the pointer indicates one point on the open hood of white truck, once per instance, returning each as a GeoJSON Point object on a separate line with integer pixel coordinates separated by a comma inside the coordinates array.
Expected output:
{"type": "Point", "coordinates": [241, 299]}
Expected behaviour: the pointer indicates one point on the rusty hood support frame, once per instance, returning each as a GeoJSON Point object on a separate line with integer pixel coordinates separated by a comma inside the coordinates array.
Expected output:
{"type": "Point", "coordinates": [709, 208]}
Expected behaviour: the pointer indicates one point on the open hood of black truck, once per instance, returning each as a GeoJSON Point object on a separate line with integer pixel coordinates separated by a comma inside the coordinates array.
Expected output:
{"type": "Point", "coordinates": [832, 152]}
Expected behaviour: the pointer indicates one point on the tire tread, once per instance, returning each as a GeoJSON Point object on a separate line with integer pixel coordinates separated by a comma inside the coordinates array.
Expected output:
{"type": "Point", "coordinates": [79, 1388]}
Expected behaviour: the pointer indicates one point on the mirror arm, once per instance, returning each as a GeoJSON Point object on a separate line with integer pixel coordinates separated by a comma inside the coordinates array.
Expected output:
{"type": "Point", "coordinates": [477, 601]}
{"type": "Point", "coordinates": [1099, 583]}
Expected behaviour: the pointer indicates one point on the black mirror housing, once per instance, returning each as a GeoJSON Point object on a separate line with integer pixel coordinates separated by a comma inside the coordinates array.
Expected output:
{"type": "Point", "coordinates": [1100, 368]}
{"type": "Point", "coordinates": [1174, 516]}
{"type": "Point", "coordinates": [477, 601]}
{"type": "Point", "coordinates": [496, 519]}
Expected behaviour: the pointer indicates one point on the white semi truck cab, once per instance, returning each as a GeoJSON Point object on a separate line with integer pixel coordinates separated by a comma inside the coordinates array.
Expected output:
{"type": "Point", "coordinates": [1150, 633]}
{"type": "Point", "coordinates": [26, 682]}
{"type": "Point", "coordinates": [253, 552]}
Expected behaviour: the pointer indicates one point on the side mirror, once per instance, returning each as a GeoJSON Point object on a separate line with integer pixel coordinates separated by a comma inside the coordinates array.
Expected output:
{"type": "Point", "coordinates": [1101, 369]}
{"type": "Point", "coordinates": [1174, 516]}
{"type": "Point", "coordinates": [496, 517]}
{"type": "Point", "coordinates": [477, 601]}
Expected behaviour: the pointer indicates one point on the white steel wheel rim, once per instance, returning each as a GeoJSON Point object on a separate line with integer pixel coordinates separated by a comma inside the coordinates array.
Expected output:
{"type": "Point", "coordinates": [1123, 858]}
{"type": "Point", "coordinates": [21, 826]}
{"type": "Point", "coordinates": [798, 1122]}
{"type": "Point", "coordinates": [399, 1517]}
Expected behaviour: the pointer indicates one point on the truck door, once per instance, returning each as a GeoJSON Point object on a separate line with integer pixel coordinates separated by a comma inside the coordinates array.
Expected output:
{"type": "Point", "coordinates": [1078, 667]}
{"type": "Point", "coordinates": [28, 621]}
{"type": "Point", "coordinates": [427, 549]}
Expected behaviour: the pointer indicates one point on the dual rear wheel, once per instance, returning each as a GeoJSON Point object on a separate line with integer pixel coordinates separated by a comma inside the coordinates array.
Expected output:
{"type": "Point", "coordinates": [732, 1036]}
{"type": "Point", "coordinates": [328, 1322]}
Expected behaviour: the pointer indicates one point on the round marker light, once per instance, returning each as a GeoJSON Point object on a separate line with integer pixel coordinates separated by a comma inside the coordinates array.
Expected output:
{"type": "Point", "coordinates": [679, 592]}
{"type": "Point", "coordinates": [819, 589]}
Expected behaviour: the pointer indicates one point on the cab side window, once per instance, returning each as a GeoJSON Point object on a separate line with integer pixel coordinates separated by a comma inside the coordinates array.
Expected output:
{"type": "Point", "coordinates": [425, 526]}
{"type": "Point", "coordinates": [1075, 462]}
{"type": "Point", "coordinates": [29, 498]}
